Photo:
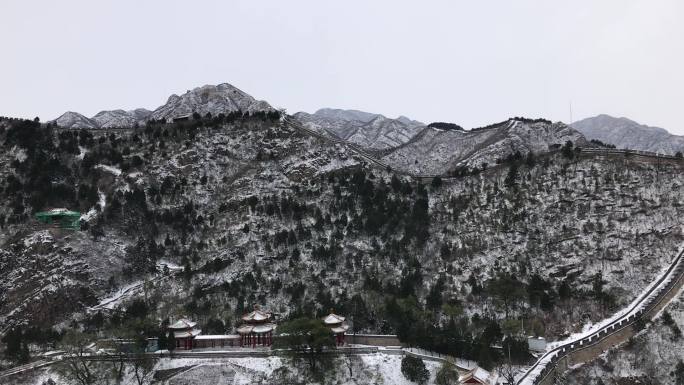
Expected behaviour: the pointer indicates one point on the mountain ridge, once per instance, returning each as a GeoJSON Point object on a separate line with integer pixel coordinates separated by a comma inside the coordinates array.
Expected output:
{"type": "Point", "coordinates": [626, 133]}
{"type": "Point", "coordinates": [213, 99]}
{"type": "Point", "coordinates": [439, 151]}
{"type": "Point", "coordinates": [368, 130]}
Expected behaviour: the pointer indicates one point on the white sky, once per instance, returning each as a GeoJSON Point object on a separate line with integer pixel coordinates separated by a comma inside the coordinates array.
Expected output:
{"type": "Point", "coordinates": [468, 62]}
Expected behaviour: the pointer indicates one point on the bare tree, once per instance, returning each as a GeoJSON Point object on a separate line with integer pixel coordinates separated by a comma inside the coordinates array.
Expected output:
{"type": "Point", "coordinates": [507, 372]}
{"type": "Point", "coordinates": [350, 360]}
{"type": "Point", "coordinates": [143, 366]}
{"type": "Point", "coordinates": [77, 367]}
{"type": "Point", "coordinates": [121, 344]}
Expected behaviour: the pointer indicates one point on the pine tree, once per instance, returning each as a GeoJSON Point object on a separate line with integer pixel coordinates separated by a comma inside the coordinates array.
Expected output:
{"type": "Point", "coordinates": [512, 176]}
{"type": "Point", "coordinates": [171, 342]}
{"type": "Point", "coordinates": [413, 368]}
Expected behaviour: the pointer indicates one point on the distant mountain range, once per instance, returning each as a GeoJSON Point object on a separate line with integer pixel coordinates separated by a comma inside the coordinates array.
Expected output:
{"type": "Point", "coordinates": [401, 143]}
{"type": "Point", "coordinates": [222, 98]}
{"type": "Point", "coordinates": [400, 140]}
{"type": "Point", "coordinates": [626, 133]}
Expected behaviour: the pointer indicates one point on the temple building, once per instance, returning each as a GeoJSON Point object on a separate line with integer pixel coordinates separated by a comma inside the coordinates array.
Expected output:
{"type": "Point", "coordinates": [184, 332]}
{"type": "Point", "coordinates": [337, 325]}
{"type": "Point", "coordinates": [257, 329]}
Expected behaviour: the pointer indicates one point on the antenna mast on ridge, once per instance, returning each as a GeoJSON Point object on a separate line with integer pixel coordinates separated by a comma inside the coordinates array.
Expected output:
{"type": "Point", "coordinates": [570, 112]}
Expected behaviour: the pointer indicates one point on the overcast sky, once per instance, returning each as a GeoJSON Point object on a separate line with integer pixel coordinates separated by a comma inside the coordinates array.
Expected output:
{"type": "Point", "coordinates": [468, 62]}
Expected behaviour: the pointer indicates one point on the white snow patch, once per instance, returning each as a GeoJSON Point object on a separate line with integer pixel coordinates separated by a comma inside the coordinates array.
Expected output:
{"type": "Point", "coordinates": [38, 237]}
{"type": "Point", "coordinates": [82, 152]}
{"type": "Point", "coordinates": [111, 169]}
{"type": "Point", "coordinates": [19, 154]}
{"type": "Point", "coordinates": [92, 213]}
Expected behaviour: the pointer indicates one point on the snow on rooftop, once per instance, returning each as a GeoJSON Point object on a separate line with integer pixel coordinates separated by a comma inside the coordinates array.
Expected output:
{"type": "Point", "coordinates": [256, 315]}
{"type": "Point", "coordinates": [183, 323]}
{"type": "Point", "coordinates": [332, 319]}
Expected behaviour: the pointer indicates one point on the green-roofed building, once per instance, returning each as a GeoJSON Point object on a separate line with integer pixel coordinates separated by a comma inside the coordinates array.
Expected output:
{"type": "Point", "coordinates": [61, 218]}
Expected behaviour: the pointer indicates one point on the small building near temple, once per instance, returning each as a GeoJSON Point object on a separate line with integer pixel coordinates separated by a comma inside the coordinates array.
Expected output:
{"type": "Point", "coordinates": [256, 329]}
{"type": "Point", "coordinates": [536, 344]}
{"type": "Point", "coordinates": [337, 325]}
{"type": "Point", "coordinates": [60, 218]}
{"type": "Point", "coordinates": [184, 332]}
{"type": "Point", "coordinates": [478, 376]}
{"type": "Point", "coordinates": [216, 341]}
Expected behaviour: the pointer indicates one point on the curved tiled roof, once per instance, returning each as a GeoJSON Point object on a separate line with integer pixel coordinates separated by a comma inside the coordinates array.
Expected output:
{"type": "Point", "coordinates": [183, 323]}
{"type": "Point", "coordinates": [333, 319]}
{"type": "Point", "coordinates": [259, 329]}
{"type": "Point", "coordinates": [256, 316]}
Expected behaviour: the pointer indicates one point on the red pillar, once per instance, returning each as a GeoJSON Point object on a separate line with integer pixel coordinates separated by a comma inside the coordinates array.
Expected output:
{"type": "Point", "coordinates": [254, 340]}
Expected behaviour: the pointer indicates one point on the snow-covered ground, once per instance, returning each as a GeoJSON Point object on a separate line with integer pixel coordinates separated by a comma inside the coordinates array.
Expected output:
{"type": "Point", "coordinates": [367, 369]}
{"type": "Point", "coordinates": [648, 358]}
{"type": "Point", "coordinates": [638, 304]}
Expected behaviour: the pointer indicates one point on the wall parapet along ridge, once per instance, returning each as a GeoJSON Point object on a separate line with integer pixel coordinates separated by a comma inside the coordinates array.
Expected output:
{"type": "Point", "coordinates": [617, 332]}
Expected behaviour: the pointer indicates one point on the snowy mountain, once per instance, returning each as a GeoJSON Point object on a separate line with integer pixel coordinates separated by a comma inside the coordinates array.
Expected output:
{"type": "Point", "coordinates": [439, 151]}
{"type": "Point", "coordinates": [120, 118]}
{"type": "Point", "coordinates": [223, 98]}
{"type": "Point", "coordinates": [371, 131]}
{"type": "Point", "coordinates": [207, 218]}
{"type": "Point", "coordinates": [625, 133]}
{"type": "Point", "coordinates": [345, 115]}
{"type": "Point", "coordinates": [75, 120]}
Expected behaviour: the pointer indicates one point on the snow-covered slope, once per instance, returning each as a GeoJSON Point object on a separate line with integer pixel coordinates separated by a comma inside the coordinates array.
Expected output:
{"type": "Point", "coordinates": [372, 131]}
{"type": "Point", "coordinates": [625, 133]}
{"type": "Point", "coordinates": [436, 151]}
{"type": "Point", "coordinates": [348, 115]}
{"type": "Point", "coordinates": [259, 213]}
{"type": "Point", "coordinates": [651, 357]}
{"type": "Point", "coordinates": [72, 119]}
{"type": "Point", "coordinates": [120, 118]}
{"type": "Point", "coordinates": [223, 98]}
